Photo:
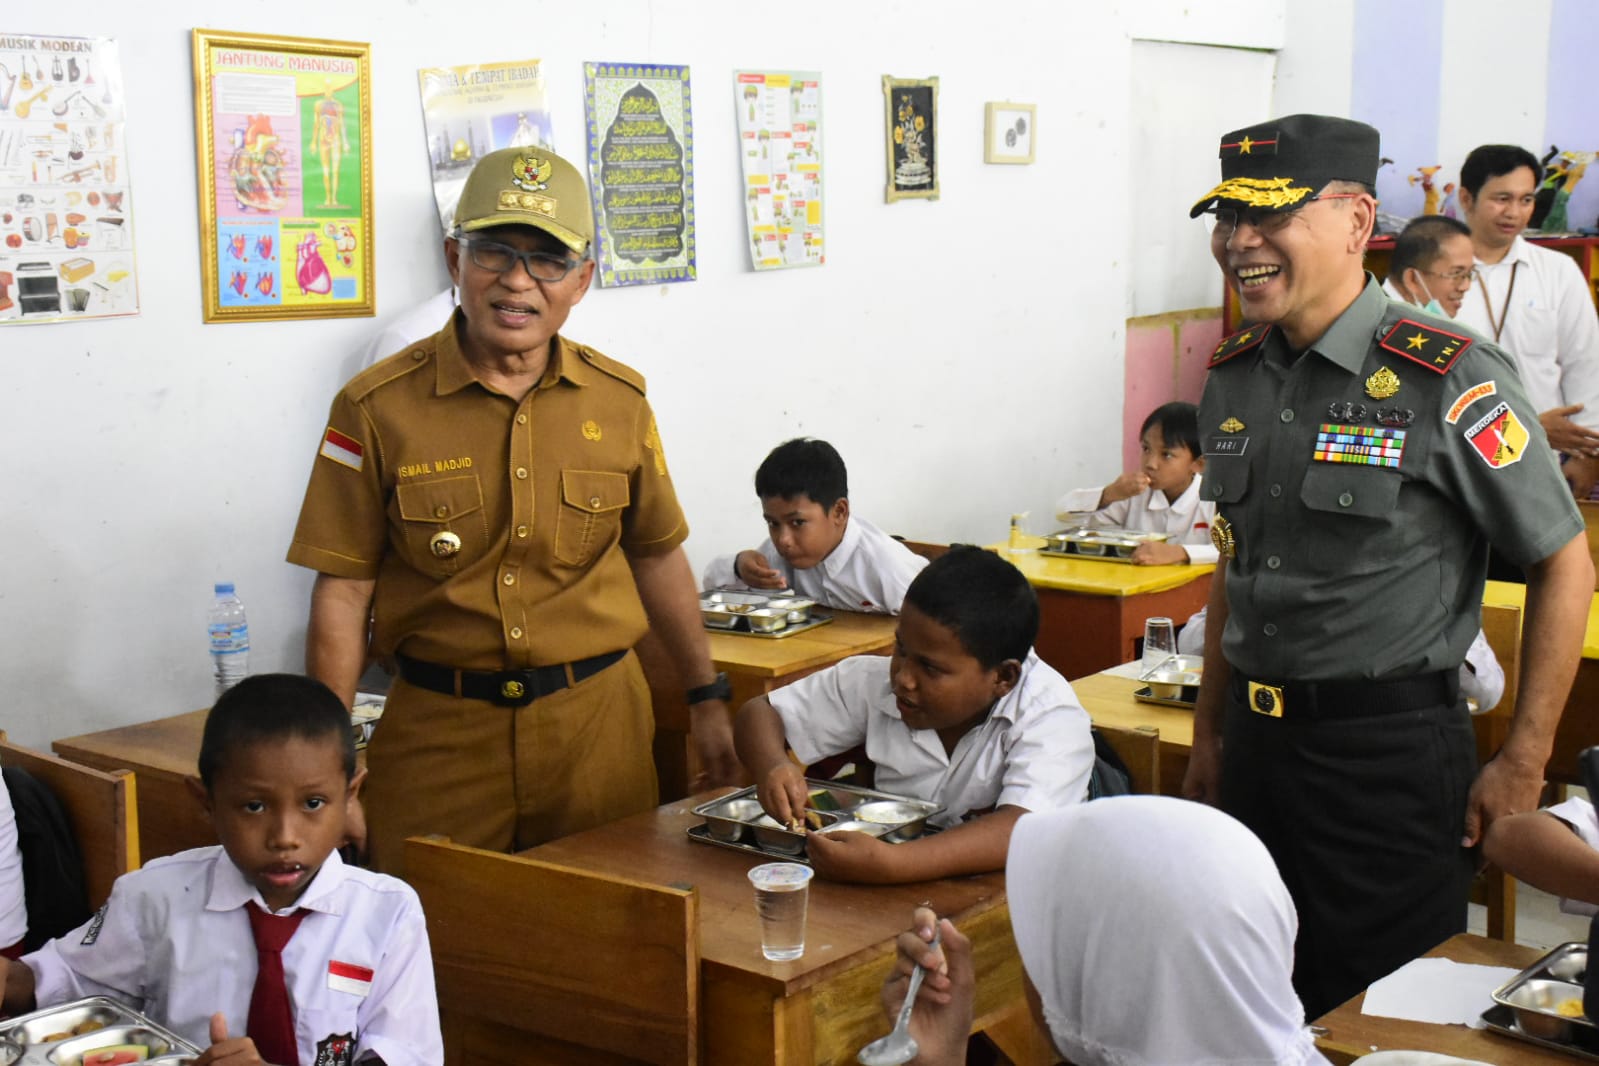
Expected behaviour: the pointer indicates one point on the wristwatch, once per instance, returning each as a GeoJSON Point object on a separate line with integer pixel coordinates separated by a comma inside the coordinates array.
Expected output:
{"type": "Point", "coordinates": [719, 689]}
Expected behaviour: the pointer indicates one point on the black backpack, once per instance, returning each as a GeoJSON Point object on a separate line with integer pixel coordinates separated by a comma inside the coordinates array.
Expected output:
{"type": "Point", "coordinates": [1110, 776]}
{"type": "Point", "coordinates": [52, 866]}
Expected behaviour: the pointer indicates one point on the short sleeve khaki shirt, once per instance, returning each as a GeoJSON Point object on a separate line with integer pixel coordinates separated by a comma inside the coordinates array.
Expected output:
{"type": "Point", "coordinates": [1364, 480]}
{"type": "Point", "coordinates": [497, 531]}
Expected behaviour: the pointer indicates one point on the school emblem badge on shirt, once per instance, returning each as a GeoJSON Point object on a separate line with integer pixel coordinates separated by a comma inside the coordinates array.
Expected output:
{"type": "Point", "coordinates": [1499, 437]}
{"type": "Point", "coordinates": [337, 1050]}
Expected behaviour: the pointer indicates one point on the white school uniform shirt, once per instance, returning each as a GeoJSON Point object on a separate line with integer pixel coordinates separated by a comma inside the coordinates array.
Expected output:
{"type": "Point", "coordinates": [1033, 750]}
{"type": "Point", "coordinates": [1550, 326]}
{"type": "Point", "coordinates": [174, 942]}
{"type": "Point", "coordinates": [868, 571]}
{"type": "Point", "coordinates": [1579, 814]}
{"type": "Point", "coordinates": [13, 910]}
{"type": "Point", "coordinates": [412, 325]}
{"type": "Point", "coordinates": [1186, 520]}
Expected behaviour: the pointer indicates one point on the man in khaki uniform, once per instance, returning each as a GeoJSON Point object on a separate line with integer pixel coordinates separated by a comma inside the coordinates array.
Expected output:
{"type": "Point", "coordinates": [495, 501]}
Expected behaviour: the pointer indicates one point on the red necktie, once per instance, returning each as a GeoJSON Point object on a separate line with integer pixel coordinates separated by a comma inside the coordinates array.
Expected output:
{"type": "Point", "coordinates": [271, 1021]}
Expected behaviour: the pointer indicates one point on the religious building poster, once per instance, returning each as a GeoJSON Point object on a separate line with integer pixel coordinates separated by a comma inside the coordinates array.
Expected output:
{"type": "Point", "coordinates": [469, 111]}
{"type": "Point", "coordinates": [780, 146]}
{"type": "Point", "coordinates": [284, 136]}
{"type": "Point", "coordinates": [641, 172]}
{"type": "Point", "coordinates": [66, 205]}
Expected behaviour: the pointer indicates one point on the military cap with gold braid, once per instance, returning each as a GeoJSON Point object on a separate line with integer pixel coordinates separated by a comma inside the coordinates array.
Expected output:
{"type": "Point", "coordinates": [1279, 165]}
{"type": "Point", "coordinates": [527, 187]}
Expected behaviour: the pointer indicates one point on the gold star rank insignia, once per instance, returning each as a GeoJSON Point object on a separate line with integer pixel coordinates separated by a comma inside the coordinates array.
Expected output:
{"type": "Point", "coordinates": [1245, 145]}
{"type": "Point", "coordinates": [1241, 341]}
{"type": "Point", "coordinates": [1434, 348]}
{"type": "Point", "coordinates": [1232, 425]}
{"type": "Point", "coordinates": [1383, 384]}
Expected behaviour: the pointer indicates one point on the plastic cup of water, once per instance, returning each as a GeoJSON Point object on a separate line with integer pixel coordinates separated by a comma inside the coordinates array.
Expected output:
{"type": "Point", "coordinates": [1160, 642]}
{"type": "Point", "coordinates": [781, 889]}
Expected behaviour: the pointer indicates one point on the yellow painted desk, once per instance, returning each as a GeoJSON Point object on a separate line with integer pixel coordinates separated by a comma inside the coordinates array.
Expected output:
{"type": "Point", "coordinates": [1091, 611]}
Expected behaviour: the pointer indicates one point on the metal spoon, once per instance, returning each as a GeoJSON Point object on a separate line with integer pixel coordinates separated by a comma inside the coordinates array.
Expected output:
{"type": "Point", "coordinates": [1158, 667]}
{"type": "Point", "coordinates": [898, 1046]}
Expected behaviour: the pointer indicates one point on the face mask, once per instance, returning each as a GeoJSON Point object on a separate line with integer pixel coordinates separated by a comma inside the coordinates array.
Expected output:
{"type": "Point", "coordinates": [1432, 306]}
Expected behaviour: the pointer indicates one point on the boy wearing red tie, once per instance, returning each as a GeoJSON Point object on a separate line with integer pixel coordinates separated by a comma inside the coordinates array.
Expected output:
{"type": "Point", "coordinates": [267, 949]}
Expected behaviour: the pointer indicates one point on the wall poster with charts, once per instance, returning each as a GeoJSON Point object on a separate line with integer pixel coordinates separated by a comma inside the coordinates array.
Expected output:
{"type": "Point", "coordinates": [66, 205]}
{"type": "Point", "coordinates": [780, 146]}
{"type": "Point", "coordinates": [641, 172]}
{"type": "Point", "coordinates": [283, 128]}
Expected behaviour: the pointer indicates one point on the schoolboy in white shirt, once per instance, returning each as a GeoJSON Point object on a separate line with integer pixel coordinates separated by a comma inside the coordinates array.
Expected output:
{"type": "Point", "coordinates": [1161, 496]}
{"type": "Point", "coordinates": [175, 940]}
{"type": "Point", "coordinates": [964, 714]}
{"type": "Point", "coordinates": [814, 545]}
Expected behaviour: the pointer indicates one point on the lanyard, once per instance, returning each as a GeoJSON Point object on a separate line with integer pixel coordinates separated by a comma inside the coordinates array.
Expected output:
{"type": "Point", "coordinates": [1504, 311]}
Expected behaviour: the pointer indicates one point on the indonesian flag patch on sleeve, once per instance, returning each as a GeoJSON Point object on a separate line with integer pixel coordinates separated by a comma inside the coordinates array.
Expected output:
{"type": "Point", "coordinates": [348, 977]}
{"type": "Point", "coordinates": [342, 449]}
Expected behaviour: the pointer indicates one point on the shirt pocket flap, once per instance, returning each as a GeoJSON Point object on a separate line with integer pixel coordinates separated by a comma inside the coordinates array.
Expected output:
{"type": "Point", "coordinates": [439, 500]}
{"type": "Point", "coordinates": [1352, 489]}
{"type": "Point", "coordinates": [595, 491]}
{"type": "Point", "coordinates": [1226, 479]}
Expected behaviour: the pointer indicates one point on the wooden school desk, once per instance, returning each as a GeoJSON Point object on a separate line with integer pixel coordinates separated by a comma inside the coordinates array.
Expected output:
{"type": "Point", "coordinates": [1109, 701]}
{"type": "Point", "coordinates": [824, 1006]}
{"type": "Point", "coordinates": [1350, 1034]}
{"type": "Point", "coordinates": [1090, 612]}
{"type": "Point", "coordinates": [754, 665]}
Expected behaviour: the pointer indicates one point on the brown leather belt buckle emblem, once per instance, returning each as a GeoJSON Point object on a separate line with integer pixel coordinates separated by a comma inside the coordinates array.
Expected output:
{"type": "Point", "coordinates": [512, 690]}
{"type": "Point", "coordinates": [1266, 699]}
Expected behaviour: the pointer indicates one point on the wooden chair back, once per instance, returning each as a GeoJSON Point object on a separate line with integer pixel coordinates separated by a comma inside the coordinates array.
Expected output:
{"type": "Point", "coordinates": [926, 549]}
{"type": "Point", "coordinates": [1590, 518]}
{"type": "Point", "coordinates": [539, 963]}
{"type": "Point", "coordinates": [102, 807]}
{"type": "Point", "coordinates": [1139, 748]}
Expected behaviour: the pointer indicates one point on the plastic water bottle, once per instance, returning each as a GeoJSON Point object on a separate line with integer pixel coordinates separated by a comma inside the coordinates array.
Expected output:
{"type": "Point", "coordinates": [230, 637]}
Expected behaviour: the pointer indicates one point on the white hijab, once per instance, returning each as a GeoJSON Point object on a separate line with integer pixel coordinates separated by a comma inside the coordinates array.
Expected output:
{"type": "Point", "coordinates": [1157, 931]}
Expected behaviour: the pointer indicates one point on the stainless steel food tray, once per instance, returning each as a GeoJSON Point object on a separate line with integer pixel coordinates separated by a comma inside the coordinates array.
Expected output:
{"type": "Point", "coordinates": [828, 797]}
{"type": "Point", "coordinates": [121, 1025]}
{"type": "Point", "coordinates": [1104, 543]}
{"type": "Point", "coordinates": [1502, 1020]}
{"type": "Point", "coordinates": [754, 613]}
{"type": "Point", "coordinates": [1524, 1006]}
{"type": "Point", "coordinates": [1187, 701]}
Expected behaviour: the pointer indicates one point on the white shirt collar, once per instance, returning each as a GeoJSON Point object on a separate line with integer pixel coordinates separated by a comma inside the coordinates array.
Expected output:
{"type": "Point", "coordinates": [1520, 251]}
{"type": "Point", "coordinates": [230, 891]}
{"type": "Point", "coordinates": [1187, 498]}
{"type": "Point", "coordinates": [848, 545]}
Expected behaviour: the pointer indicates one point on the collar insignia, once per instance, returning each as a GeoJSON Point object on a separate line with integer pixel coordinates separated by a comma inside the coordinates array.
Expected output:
{"type": "Point", "coordinates": [1241, 341]}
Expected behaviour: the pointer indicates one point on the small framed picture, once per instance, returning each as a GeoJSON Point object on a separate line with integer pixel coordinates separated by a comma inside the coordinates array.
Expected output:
{"type": "Point", "coordinates": [910, 114]}
{"type": "Point", "coordinates": [1009, 132]}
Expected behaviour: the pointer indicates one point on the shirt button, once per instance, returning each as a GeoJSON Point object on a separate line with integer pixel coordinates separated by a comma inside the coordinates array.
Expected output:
{"type": "Point", "coordinates": [521, 531]}
{"type": "Point", "coordinates": [1270, 629]}
{"type": "Point", "coordinates": [1276, 490]}
{"type": "Point", "coordinates": [594, 501]}
{"type": "Point", "coordinates": [521, 473]}
{"type": "Point", "coordinates": [1273, 562]}
{"type": "Point", "coordinates": [510, 579]}
{"type": "Point", "coordinates": [441, 511]}
{"type": "Point", "coordinates": [418, 356]}
{"type": "Point", "coordinates": [516, 632]}
{"type": "Point", "coordinates": [521, 419]}
{"type": "Point", "coordinates": [1216, 490]}
{"type": "Point", "coordinates": [1287, 415]}
{"type": "Point", "coordinates": [1345, 500]}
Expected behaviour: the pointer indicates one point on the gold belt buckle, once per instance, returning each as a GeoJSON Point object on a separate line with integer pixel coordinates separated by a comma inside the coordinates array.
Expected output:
{"type": "Point", "coordinates": [512, 690]}
{"type": "Point", "coordinates": [1266, 699]}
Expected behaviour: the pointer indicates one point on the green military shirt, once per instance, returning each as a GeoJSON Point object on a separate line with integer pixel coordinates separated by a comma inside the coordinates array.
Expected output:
{"type": "Point", "coordinates": [497, 530]}
{"type": "Point", "coordinates": [1364, 480]}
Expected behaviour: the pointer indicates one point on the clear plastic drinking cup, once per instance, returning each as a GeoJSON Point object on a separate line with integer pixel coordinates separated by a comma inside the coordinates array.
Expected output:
{"type": "Point", "coordinates": [1160, 643]}
{"type": "Point", "coordinates": [781, 891]}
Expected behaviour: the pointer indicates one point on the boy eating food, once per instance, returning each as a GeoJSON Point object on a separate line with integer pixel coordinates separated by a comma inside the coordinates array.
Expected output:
{"type": "Point", "coordinates": [964, 714]}
{"type": "Point", "coordinates": [266, 948]}
{"type": "Point", "coordinates": [814, 545]}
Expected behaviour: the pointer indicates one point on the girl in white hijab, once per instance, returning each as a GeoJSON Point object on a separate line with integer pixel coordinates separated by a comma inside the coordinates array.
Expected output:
{"type": "Point", "coordinates": [1155, 931]}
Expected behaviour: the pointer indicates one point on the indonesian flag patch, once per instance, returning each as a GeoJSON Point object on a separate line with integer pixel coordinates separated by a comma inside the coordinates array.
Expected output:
{"type": "Point", "coordinates": [342, 449]}
{"type": "Point", "coordinates": [1499, 437]}
{"type": "Point", "coordinates": [348, 977]}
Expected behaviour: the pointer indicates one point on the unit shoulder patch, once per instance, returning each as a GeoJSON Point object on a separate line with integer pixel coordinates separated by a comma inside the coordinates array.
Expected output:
{"type": "Point", "coordinates": [1241, 341]}
{"type": "Point", "coordinates": [1434, 348]}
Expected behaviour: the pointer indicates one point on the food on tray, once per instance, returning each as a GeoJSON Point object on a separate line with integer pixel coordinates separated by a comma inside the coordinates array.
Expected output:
{"type": "Point", "coordinates": [116, 1055]}
{"type": "Point", "coordinates": [880, 816]}
{"type": "Point", "coordinates": [1569, 1008]}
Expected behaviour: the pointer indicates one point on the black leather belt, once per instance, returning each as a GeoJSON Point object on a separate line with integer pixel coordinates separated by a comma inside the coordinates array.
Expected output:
{"type": "Point", "coordinates": [507, 688]}
{"type": "Point", "coordinates": [1346, 699]}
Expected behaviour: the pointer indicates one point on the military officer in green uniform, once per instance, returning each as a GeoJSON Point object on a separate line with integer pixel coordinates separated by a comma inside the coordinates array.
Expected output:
{"type": "Point", "coordinates": [1362, 456]}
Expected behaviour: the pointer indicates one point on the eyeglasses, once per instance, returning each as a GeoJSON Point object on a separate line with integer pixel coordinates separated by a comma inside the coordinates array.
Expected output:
{"type": "Point", "coordinates": [1456, 277]}
{"type": "Point", "coordinates": [1267, 222]}
{"type": "Point", "coordinates": [541, 266]}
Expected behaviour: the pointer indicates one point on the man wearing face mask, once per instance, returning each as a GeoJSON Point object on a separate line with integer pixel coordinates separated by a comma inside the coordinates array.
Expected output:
{"type": "Point", "coordinates": [1432, 265]}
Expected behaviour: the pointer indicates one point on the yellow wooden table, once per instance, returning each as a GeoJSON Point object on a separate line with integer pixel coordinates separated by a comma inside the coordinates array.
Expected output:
{"type": "Point", "coordinates": [1109, 701]}
{"type": "Point", "coordinates": [1091, 611]}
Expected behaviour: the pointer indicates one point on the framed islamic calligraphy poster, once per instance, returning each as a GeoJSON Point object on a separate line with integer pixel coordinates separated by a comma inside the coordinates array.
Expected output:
{"type": "Point", "coordinates": [641, 172]}
{"type": "Point", "coordinates": [911, 114]}
{"type": "Point", "coordinates": [283, 131]}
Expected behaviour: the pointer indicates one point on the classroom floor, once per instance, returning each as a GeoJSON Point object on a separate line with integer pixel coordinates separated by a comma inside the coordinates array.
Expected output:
{"type": "Point", "coordinates": [1539, 923]}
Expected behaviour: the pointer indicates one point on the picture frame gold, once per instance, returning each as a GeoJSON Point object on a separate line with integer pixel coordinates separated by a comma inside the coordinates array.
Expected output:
{"type": "Point", "coordinates": [910, 115]}
{"type": "Point", "coordinates": [283, 146]}
{"type": "Point", "coordinates": [1010, 132]}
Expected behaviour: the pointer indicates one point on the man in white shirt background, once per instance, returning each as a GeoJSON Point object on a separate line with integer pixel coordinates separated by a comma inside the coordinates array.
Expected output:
{"type": "Point", "coordinates": [1535, 303]}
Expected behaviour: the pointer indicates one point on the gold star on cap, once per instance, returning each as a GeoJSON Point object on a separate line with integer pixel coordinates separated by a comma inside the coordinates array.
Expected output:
{"type": "Point", "coordinates": [1245, 145]}
{"type": "Point", "coordinates": [1232, 425]}
{"type": "Point", "coordinates": [1383, 384]}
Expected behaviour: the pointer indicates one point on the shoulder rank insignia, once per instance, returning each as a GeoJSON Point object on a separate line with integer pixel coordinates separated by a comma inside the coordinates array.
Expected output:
{"type": "Point", "coordinates": [1241, 341]}
{"type": "Point", "coordinates": [1433, 348]}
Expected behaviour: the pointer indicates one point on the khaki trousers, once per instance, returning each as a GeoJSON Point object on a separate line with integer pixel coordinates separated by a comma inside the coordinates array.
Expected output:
{"type": "Point", "coordinates": [507, 778]}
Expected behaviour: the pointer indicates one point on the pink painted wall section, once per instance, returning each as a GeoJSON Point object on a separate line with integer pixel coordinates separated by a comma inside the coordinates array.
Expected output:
{"type": "Point", "coordinates": [1166, 356]}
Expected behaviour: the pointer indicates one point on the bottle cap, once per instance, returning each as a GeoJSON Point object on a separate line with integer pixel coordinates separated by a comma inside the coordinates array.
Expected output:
{"type": "Point", "coordinates": [224, 588]}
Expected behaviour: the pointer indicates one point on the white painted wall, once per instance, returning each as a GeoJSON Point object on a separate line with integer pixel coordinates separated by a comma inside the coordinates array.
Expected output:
{"type": "Point", "coordinates": [1488, 95]}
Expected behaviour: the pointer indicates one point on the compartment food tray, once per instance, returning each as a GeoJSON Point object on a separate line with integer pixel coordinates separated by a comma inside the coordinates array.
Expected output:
{"type": "Point", "coordinates": [829, 797]}
{"type": "Point", "coordinates": [1103, 543]}
{"type": "Point", "coordinates": [1524, 1006]}
{"type": "Point", "coordinates": [1502, 1020]}
{"type": "Point", "coordinates": [758, 613]}
{"type": "Point", "coordinates": [1186, 701]}
{"type": "Point", "coordinates": [120, 1024]}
